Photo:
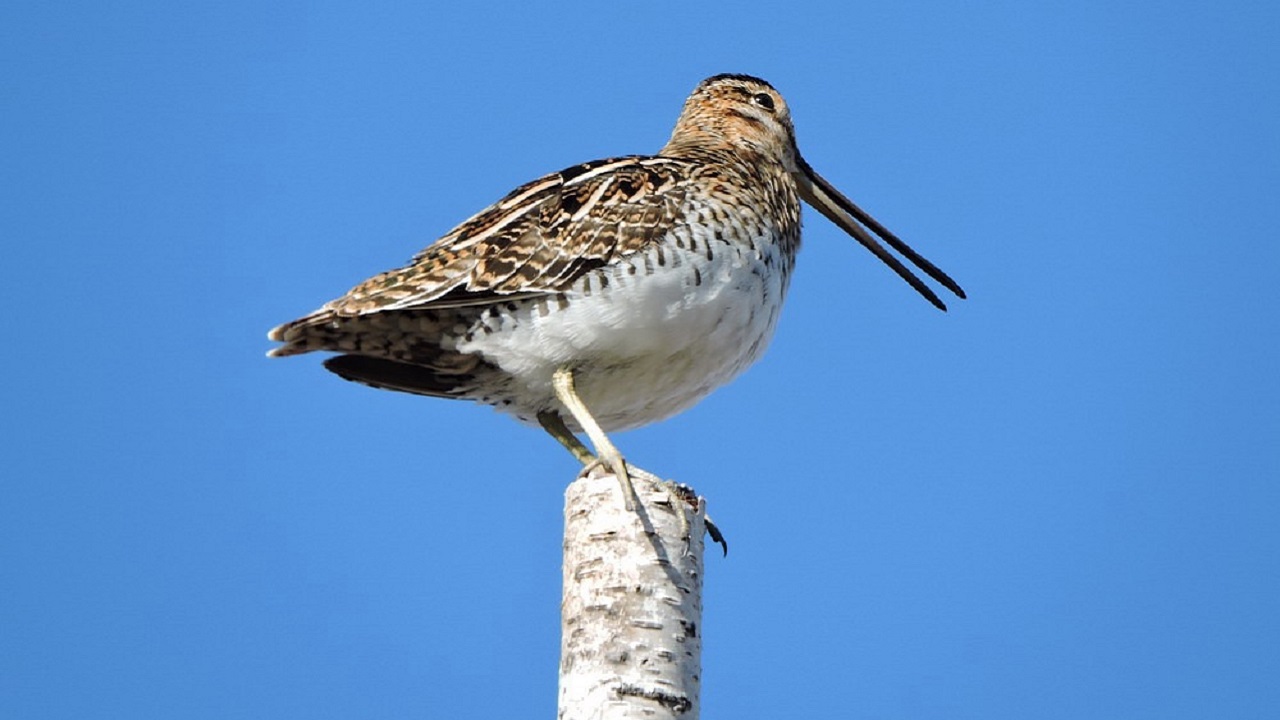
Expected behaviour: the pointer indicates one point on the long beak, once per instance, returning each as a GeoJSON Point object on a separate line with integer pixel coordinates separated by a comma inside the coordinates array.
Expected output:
{"type": "Point", "coordinates": [854, 220]}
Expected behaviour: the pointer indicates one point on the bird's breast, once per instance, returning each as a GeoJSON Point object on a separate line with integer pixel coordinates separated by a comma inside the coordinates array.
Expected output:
{"type": "Point", "coordinates": [650, 334]}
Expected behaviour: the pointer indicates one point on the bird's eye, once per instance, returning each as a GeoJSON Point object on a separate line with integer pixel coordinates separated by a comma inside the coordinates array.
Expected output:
{"type": "Point", "coordinates": [764, 100]}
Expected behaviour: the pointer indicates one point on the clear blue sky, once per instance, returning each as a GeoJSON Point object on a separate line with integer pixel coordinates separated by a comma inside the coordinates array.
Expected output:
{"type": "Point", "coordinates": [1059, 500]}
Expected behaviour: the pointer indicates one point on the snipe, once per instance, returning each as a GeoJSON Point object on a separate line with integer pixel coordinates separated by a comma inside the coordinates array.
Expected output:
{"type": "Point", "coordinates": [611, 294]}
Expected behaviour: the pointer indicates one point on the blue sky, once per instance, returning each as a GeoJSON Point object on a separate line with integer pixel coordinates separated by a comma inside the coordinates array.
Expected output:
{"type": "Point", "coordinates": [1058, 500]}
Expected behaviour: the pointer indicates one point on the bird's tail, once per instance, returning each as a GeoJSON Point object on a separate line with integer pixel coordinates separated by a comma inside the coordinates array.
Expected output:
{"type": "Point", "coordinates": [455, 381]}
{"type": "Point", "coordinates": [393, 351]}
{"type": "Point", "coordinates": [320, 330]}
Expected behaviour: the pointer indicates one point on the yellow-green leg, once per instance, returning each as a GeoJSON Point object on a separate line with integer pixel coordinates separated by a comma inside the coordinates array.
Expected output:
{"type": "Point", "coordinates": [606, 454]}
{"type": "Point", "coordinates": [555, 427]}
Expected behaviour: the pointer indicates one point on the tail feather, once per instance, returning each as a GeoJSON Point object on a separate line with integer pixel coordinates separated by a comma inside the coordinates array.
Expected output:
{"type": "Point", "coordinates": [454, 382]}
{"type": "Point", "coordinates": [304, 335]}
{"type": "Point", "coordinates": [392, 351]}
{"type": "Point", "coordinates": [407, 336]}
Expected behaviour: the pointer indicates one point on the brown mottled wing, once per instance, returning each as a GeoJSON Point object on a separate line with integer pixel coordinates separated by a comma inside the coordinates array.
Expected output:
{"type": "Point", "coordinates": [539, 239]}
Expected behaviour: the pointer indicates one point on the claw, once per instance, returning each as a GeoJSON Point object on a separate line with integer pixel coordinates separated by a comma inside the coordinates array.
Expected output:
{"type": "Point", "coordinates": [717, 536]}
{"type": "Point", "coordinates": [684, 494]}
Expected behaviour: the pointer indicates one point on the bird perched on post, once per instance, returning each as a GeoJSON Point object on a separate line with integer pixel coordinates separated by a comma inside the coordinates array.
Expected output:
{"type": "Point", "coordinates": [611, 294]}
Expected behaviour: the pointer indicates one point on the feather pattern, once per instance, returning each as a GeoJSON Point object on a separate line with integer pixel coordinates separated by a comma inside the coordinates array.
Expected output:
{"type": "Point", "coordinates": [539, 239]}
{"type": "Point", "coordinates": [654, 279]}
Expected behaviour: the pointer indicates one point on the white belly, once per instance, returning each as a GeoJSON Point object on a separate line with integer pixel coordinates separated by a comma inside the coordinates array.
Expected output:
{"type": "Point", "coordinates": [646, 345]}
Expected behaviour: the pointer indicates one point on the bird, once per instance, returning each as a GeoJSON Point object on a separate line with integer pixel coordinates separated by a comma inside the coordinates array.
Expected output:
{"type": "Point", "coordinates": [612, 294]}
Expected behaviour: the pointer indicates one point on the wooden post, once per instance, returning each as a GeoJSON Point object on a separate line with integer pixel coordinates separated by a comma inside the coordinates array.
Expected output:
{"type": "Point", "coordinates": [631, 614]}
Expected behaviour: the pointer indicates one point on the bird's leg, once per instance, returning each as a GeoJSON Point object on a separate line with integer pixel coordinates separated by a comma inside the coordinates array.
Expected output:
{"type": "Point", "coordinates": [606, 454]}
{"type": "Point", "coordinates": [555, 427]}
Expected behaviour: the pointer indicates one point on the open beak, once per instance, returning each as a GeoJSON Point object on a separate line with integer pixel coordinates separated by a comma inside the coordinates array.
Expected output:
{"type": "Point", "coordinates": [854, 220]}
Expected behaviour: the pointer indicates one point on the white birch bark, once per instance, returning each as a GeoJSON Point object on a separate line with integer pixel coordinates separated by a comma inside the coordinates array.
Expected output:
{"type": "Point", "coordinates": [631, 644]}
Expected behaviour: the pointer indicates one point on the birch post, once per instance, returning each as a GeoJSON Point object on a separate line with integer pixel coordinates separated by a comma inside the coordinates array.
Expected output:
{"type": "Point", "coordinates": [631, 614]}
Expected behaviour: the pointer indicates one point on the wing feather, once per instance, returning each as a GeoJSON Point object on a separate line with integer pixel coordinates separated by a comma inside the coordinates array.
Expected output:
{"type": "Point", "coordinates": [539, 239]}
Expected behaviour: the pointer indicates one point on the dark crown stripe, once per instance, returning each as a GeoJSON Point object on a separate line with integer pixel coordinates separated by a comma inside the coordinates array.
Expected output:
{"type": "Point", "coordinates": [735, 76]}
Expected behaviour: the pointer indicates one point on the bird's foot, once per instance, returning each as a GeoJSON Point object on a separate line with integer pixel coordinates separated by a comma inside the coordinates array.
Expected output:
{"type": "Point", "coordinates": [617, 467]}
